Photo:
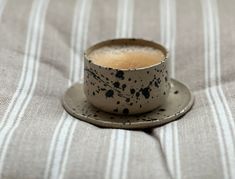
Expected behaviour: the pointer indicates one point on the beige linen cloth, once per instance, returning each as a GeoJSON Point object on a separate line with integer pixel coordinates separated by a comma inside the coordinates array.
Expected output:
{"type": "Point", "coordinates": [41, 46]}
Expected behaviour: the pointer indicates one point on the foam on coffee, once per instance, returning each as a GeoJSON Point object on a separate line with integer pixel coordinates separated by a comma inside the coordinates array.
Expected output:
{"type": "Point", "coordinates": [126, 57]}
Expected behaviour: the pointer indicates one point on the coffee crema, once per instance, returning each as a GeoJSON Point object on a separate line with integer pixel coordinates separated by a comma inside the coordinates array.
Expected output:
{"type": "Point", "coordinates": [126, 57]}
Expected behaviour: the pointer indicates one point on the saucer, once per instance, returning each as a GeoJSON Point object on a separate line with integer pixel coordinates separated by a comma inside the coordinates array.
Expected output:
{"type": "Point", "coordinates": [179, 101]}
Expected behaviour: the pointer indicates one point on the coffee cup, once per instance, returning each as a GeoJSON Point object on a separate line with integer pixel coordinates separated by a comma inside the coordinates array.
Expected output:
{"type": "Point", "coordinates": [126, 76]}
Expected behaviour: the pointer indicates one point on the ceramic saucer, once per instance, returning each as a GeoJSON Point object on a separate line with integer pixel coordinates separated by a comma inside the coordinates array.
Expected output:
{"type": "Point", "coordinates": [179, 101]}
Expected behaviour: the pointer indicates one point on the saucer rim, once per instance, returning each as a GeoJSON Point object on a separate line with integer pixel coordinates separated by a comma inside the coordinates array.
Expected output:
{"type": "Point", "coordinates": [131, 125]}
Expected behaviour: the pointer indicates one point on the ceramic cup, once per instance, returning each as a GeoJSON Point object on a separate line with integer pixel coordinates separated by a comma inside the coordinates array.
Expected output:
{"type": "Point", "coordinates": [128, 91]}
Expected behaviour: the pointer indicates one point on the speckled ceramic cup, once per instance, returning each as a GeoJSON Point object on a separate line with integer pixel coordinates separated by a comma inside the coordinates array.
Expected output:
{"type": "Point", "coordinates": [128, 91]}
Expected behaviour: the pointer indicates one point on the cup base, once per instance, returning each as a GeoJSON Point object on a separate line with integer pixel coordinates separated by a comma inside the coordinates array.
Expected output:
{"type": "Point", "coordinates": [179, 101]}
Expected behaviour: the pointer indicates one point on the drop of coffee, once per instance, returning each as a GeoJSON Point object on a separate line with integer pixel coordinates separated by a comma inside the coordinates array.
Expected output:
{"type": "Point", "coordinates": [126, 57]}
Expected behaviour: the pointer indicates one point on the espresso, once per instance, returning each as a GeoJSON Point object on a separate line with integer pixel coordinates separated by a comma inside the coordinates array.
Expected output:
{"type": "Point", "coordinates": [126, 57]}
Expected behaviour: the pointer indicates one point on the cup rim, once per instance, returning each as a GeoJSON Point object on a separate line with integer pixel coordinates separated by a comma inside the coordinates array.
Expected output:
{"type": "Point", "coordinates": [126, 41]}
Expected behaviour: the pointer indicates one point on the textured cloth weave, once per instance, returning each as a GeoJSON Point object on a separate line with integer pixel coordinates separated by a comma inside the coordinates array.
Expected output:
{"type": "Point", "coordinates": [41, 47]}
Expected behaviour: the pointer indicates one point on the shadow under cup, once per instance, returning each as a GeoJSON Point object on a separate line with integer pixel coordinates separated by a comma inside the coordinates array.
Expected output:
{"type": "Point", "coordinates": [128, 91]}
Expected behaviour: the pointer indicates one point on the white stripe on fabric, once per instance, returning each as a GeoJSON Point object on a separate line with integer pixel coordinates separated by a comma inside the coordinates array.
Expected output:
{"type": "Point", "coordinates": [119, 152]}
{"type": "Point", "coordinates": [161, 138]}
{"type": "Point", "coordinates": [77, 46]}
{"type": "Point", "coordinates": [226, 105]}
{"type": "Point", "coordinates": [172, 13]}
{"type": "Point", "coordinates": [79, 41]}
{"type": "Point", "coordinates": [177, 163]}
{"type": "Point", "coordinates": [84, 42]}
{"type": "Point", "coordinates": [219, 71]}
{"type": "Point", "coordinates": [130, 15]}
{"type": "Point", "coordinates": [28, 79]}
{"type": "Point", "coordinates": [125, 18]}
{"type": "Point", "coordinates": [110, 154]}
{"type": "Point", "coordinates": [59, 150]}
{"type": "Point", "coordinates": [53, 143]}
{"type": "Point", "coordinates": [2, 6]}
{"type": "Point", "coordinates": [224, 121]}
{"type": "Point", "coordinates": [168, 146]}
{"type": "Point", "coordinates": [124, 32]}
{"type": "Point", "coordinates": [67, 149]}
{"type": "Point", "coordinates": [126, 155]}
{"type": "Point", "coordinates": [168, 29]}
{"type": "Point", "coordinates": [74, 50]}
{"type": "Point", "coordinates": [168, 19]}
{"type": "Point", "coordinates": [169, 133]}
{"type": "Point", "coordinates": [119, 18]}
{"type": "Point", "coordinates": [162, 20]}
{"type": "Point", "coordinates": [118, 155]}
{"type": "Point", "coordinates": [62, 138]}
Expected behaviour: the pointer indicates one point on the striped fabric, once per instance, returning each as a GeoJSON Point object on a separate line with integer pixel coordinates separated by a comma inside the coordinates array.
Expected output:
{"type": "Point", "coordinates": [41, 47]}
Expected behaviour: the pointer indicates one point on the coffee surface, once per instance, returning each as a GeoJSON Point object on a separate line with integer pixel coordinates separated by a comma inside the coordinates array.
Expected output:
{"type": "Point", "coordinates": [126, 57]}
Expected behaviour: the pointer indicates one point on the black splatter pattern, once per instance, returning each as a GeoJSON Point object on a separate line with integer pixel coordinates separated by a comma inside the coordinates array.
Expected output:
{"type": "Point", "coordinates": [137, 94]}
{"type": "Point", "coordinates": [176, 92]}
{"type": "Point", "coordinates": [132, 91]}
{"type": "Point", "coordinates": [120, 74]}
{"type": "Point", "coordinates": [114, 87]}
{"type": "Point", "coordinates": [166, 79]}
{"type": "Point", "coordinates": [145, 92]}
{"type": "Point", "coordinates": [123, 87]}
{"type": "Point", "coordinates": [109, 93]}
{"type": "Point", "coordinates": [116, 84]}
{"type": "Point", "coordinates": [125, 111]}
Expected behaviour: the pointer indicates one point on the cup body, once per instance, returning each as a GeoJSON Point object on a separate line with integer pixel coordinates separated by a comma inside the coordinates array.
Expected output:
{"type": "Point", "coordinates": [126, 91]}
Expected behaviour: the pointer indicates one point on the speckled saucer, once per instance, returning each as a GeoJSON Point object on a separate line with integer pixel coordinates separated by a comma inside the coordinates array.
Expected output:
{"type": "Point", "coordinates": [179, 101]}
